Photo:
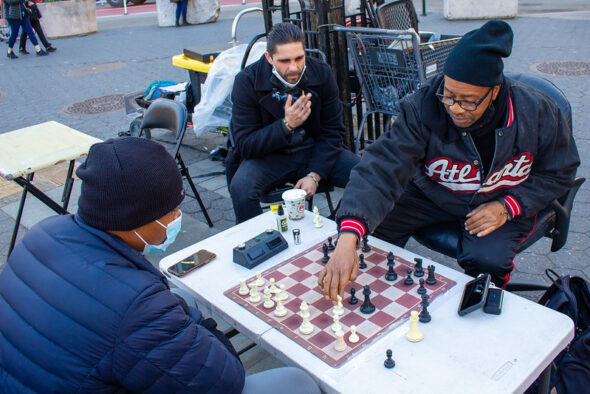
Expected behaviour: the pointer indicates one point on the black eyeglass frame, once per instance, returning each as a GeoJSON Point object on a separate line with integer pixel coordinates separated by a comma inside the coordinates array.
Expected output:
{"type": "Point", "coordinates": [475, 104]}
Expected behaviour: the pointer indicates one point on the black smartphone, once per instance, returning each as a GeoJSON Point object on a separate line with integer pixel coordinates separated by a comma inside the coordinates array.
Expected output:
{"type": "Point", "coordinates": [474, 294]}
{"type": "Point", "coordinates": [198, 260]}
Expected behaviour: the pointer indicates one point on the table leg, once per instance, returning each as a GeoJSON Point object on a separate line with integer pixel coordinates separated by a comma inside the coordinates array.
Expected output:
{"type": "Point", "coordinates": [19, 213]}
{"type": "Point", "coordinates": [544, 381]}
{"type": "Point", "coordinates": [65, 197]}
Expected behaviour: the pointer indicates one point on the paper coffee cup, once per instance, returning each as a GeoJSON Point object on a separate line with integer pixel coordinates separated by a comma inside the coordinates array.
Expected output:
{"type": "Point", "coordinates": [295, 203]}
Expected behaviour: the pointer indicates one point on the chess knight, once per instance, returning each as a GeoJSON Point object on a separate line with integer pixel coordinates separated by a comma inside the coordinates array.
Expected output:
{"type": "Point", "coordinates": [473, 147]}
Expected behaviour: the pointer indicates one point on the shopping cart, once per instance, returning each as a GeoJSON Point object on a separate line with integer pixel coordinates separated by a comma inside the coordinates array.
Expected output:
{"type": "Point", "coordinates": [390, 64]}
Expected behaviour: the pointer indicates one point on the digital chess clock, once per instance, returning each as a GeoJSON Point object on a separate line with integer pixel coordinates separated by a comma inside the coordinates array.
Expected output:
{"type": "Point", "coordinates": [259, 249]}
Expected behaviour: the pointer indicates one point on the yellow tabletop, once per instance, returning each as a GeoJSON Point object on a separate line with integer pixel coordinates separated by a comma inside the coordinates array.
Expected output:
{"type": "Point", "coordinates": [33, 148]}
{"type": "Point", "coordinates": [190, 64]}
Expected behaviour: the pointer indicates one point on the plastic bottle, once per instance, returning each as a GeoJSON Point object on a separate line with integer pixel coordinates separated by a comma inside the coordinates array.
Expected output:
{"type": "Point", "coordinates": [281, 220]}
{"type": "Point", "coordinates": [274, 209]}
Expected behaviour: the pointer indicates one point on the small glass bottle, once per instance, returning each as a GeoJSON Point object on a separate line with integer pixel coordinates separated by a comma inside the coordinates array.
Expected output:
{"type": "Point", "coordinates": [281, 219]}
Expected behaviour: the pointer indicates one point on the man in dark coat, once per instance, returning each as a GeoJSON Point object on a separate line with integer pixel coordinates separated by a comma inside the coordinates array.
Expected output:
{"type": "Point", "coordinates": [82, 310]}
{"type": "Point", "coordinates": [286, 125]}
{"type": "Point", "coordinates": [481, 150]}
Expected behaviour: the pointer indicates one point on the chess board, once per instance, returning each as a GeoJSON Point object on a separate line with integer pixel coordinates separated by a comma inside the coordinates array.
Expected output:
{"type": "Point", "coordinates": [393, 301]}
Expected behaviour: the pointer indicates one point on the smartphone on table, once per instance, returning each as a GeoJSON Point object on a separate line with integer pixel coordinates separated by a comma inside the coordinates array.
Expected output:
{"type": "Point", "coordinates": [185, 267]}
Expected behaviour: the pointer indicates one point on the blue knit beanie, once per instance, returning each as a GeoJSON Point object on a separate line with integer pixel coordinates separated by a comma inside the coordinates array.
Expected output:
{"type": "Point", "coordinates": [477, 57]}
{"type": "Point", "coordinates": [128, 182]}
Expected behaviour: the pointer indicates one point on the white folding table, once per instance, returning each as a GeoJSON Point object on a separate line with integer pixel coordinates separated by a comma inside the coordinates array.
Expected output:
{"type": "Point", "coordinates": [474, 353]}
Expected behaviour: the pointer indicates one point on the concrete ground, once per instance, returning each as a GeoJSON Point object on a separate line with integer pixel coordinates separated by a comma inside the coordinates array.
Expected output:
{"type": "Point", "coordinates": [128, 52]}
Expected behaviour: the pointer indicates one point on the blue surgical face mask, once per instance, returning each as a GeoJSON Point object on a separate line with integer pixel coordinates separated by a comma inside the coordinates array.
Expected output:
{"type": "Point", "coordinates": [172, 231]}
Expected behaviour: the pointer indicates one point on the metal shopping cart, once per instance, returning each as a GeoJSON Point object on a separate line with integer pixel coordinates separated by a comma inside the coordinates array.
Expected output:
{"type": "Point", "coordinates": [390, 64]}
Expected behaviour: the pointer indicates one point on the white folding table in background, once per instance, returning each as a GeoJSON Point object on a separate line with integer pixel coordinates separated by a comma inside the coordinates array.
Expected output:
{"type": "Point", "coordinates": [474, 353]}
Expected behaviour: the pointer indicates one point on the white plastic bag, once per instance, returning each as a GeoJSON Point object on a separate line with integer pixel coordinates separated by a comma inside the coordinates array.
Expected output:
{"type": "Point", "coordinates": [214, 109]}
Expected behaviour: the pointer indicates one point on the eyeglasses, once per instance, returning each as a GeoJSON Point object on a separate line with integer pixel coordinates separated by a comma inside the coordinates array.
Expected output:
{"type": "Point", "coordinates": [465, 104]}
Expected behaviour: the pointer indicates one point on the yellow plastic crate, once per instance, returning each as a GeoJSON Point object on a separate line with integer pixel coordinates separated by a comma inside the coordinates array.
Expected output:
{"type": "Point", "coordinates": [191, 64]}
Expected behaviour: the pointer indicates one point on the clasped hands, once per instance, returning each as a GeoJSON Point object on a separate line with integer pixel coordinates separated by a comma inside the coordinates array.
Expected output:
{"type": "Point", "coordinates": [343, 266]}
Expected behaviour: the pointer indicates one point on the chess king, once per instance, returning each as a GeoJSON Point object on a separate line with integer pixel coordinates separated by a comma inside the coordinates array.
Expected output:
{"type": "Point", "coordinates": [81, 309]}
{"type": "Point", "coordinates": [472, 147]}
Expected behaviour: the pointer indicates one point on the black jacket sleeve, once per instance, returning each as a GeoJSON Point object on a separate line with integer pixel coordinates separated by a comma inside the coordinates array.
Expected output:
{"type": "Point", "coordinates": [384, 170]}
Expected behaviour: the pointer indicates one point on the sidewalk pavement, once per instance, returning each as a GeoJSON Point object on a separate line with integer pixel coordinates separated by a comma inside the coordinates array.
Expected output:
{"type": "Point", "coordinates": [130, 51]}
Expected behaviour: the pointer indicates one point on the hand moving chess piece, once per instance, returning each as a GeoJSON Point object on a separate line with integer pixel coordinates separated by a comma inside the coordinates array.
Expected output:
{"type": "Point", "coordinates": [244, 290]}
{"type": "Point", "coordinates": [367, 307]}
{"type": "Point", "coordinates": [353, 337]}
{"type": "Point", "coordinates": [338, 309]}
{"type": "Point", "coordinates": [254, 295]}
{"type": "Point", "coordinates": [431, 280]}
{"type": "Point", "coordinates": [268, 303]}
{"type": "Point", "coordinates": [340, 344]}
{"type": "Point", "coordinates": [280, 310]}
{"type": "Point", "coordinates": [353, 300]}
{"type": "Point", "coordinates": [317, 219]}
{"type": "Point", "coordinates": [414, 334]}
{"type": "Point", "coordinates": [389, 363]}
{"type": "Point", "coordinates": [418, 270]}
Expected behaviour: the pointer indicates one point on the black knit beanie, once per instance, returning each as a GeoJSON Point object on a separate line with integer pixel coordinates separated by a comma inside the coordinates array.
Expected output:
{"type": "Point", "coordinates": [477, 57]}
{"type": "Point", "coordinates": [128, 182]}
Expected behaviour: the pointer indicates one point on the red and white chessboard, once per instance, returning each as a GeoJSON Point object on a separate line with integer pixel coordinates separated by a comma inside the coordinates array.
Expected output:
{"type": "Point", "coordinates": [393, 301]}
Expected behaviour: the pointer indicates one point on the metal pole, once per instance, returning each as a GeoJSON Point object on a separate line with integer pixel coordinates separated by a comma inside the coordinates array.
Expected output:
{"type": "Point", "coordinates": [423, 7]}
{"type": "Point", "coordinates": [125, 7]}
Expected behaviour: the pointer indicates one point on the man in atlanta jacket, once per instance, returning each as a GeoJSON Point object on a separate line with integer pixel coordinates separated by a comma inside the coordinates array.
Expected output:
{"type": "Point", "coordinates": [482, 150]}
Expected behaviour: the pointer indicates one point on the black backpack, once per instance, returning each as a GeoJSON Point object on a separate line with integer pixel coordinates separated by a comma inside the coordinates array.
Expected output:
{"type": "Point", "coordinates": [571, 295]}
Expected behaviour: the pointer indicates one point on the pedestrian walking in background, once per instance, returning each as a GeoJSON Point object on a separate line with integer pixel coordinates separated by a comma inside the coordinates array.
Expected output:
{"type": "Point", "coordinates": [17, 18]}
{"type": "Point", "coordinates": [181, 6]}
{"type": "Point", "coordinates": [32, 11]}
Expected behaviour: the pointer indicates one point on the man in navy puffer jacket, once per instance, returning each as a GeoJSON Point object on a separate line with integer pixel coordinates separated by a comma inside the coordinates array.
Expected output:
{"type": "Point", "coordinates": [82, 310]}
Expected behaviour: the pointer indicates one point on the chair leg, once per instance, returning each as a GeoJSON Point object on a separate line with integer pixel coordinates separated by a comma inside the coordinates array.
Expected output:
{"type": "Point", "coordinates": [330, 206]}
{"type": "Point", "coordinates": [185, 173]}
{"type": "Point", "coordinates": [310, 204]}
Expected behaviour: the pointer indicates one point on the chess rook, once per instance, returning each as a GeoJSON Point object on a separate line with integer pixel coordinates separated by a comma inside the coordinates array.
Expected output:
{"type": "Point", "coordinates": [431, 280]}
{"type": "Point", "coordinates": [340, 344]}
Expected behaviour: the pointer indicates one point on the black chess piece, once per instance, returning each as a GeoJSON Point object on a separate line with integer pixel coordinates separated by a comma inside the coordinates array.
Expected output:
{"type": "Point", "coordinates": [418, 270]}
{"type": "Point", "coordinates": [353, 300]}
{"type": "Point", "coordinates": [366, 247]}
{"type": "Point", "coordinates": [330, 244]}
{"type": "Point", "coordinates": [431, 280]}
{"type": "Point", "coordinates": [389, 363]}
{"type": "Point", "coordinates": [390, 257]}
{"type": "Point", "coordinates": [409, 281]}
{"type": "Point", "coordinates": [391, 275]}
{"type": "Point", "coordinates": [362, 264]}
{"type": "Point", "coordinates": [367, 307]}
{"type": "Point", "coordinates": [424, 315]}
{"type": "Point", "coordinates": [326, 258]}
{"type": "Point", "coordinates": [422, 289]}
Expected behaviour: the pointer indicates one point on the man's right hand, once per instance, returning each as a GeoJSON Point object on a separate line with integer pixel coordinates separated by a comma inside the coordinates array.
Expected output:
{"type": "Point", "coordinates": [341, 269]}
{"type": "Point", "coordinates": [297, 113]}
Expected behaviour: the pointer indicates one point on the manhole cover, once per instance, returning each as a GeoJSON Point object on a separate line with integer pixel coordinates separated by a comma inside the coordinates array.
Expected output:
{"type": "Point", "coordinates": [94, 69]}
{"type": "Point", "coordinates": [565, 68]}
{"type": "Point", "coordinates": [96, 105]}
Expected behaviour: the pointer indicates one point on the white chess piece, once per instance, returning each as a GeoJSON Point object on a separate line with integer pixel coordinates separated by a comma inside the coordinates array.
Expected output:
{"type": "Point", "coordinates": [353, 337]}
{"type": "Point", "coordinates": [259, 281]}
{"type": "Point", "coordinates": [317, 220]}
{"type": "Point", "coordinates": [268, 303]}
{"type": "Point", "coordinates": [254, 295]}
{"type": "Point", "coordinates": [273, 288]}
{"type": "Point", "coordinates": [414, 334]}
{"type": "Point", "coordinates": [243, 287]}
{"type": "Point", "coordinates": [304, 309]}
{"type": "Point", "coordinates": [282, 294]}
{"type": "Point", "coordinates": [306, 327]}
{"type": "Point", "coordinates": [336, 326]}
{"type": "Point", "coordinates": [338, 309]}
{"type": "Point", "coordinates": [340, 344]}
{"type": "Point", "coordinates": [280, 310]}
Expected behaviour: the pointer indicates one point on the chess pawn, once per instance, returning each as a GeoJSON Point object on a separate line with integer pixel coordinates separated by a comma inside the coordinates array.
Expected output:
{"type": "Point", "coordinates": [353, 337]}
{"type": "Point", "coordinates": [273, 288]}
{"type": "Point", "coordinates": [362, 264]}
{"type": "Point", "coordinates": [340, 344]}
{"type": "Point", "coordinates": [280, 310]}
{"type": "Point", "coordinates": [336, 326]}
{"type": "Point", "coordinates": [259, 280]}
{"type": "Point", "coordinates": [306, 327]}
{"type": "Point", "coordinates": [338, 309]}
{"type": "Point", "coordinates": [414, 334]}
{"type": "Point", "coordinates": [244, 290]}
{"type": "Point", "coordinates": [254, 295]}
{"type": "Point", "coordinates": [389, 363]}
{"type": "Point", "coordinates": [268, 303]}
{"type": "Point", "coordinates": [282, 294]}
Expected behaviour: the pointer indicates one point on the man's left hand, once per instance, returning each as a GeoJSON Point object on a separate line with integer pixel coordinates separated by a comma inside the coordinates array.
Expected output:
{"type": "Point", "coordinates": [486, 218]}
{"type": "Point", "coordinates": [307, 184]}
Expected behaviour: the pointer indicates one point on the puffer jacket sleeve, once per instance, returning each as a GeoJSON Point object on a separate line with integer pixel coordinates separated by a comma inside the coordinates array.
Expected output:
{"type": "Point", "coordinates": [386, 166]}
{"type": "Point", "coordinates": [161, 349]}
{"type": "Point", "coordinates": [555, 164]}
